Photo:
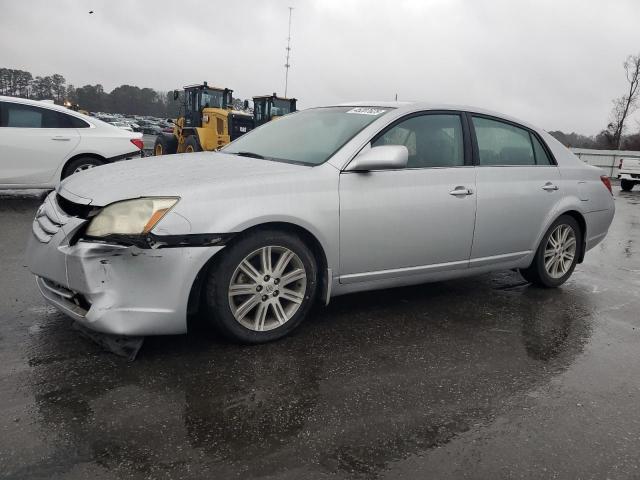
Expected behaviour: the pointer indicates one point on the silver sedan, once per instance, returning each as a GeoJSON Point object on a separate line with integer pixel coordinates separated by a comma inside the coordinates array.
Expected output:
{"type": "Point", "coordinates": [320, 203]}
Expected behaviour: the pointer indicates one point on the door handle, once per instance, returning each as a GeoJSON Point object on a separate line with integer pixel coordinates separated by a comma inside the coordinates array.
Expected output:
{"type": "Point", "coordinates": [460, 191]}
{"type": "Point", "coordinates": [61, 139]}
{"type": "Point", "coordinates": [549, 187]}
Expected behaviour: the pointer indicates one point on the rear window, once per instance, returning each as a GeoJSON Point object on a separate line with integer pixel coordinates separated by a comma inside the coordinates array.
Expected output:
{"type": "Point", "coordinates": [16, 115]}
{"type": "Point", "coordinates": [502, 144]}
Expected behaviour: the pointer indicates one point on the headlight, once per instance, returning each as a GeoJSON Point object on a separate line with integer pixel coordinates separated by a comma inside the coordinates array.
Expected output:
{"type": "Point", "coordinates": [130, 217]}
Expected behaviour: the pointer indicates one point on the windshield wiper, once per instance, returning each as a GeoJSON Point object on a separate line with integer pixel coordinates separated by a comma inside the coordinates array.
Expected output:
{"type": "Point", "coordinates": [251, 154]}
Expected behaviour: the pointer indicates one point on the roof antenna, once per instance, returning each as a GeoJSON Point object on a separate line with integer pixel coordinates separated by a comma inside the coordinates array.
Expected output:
{"type": "Point", "coordinates": [287, 65]}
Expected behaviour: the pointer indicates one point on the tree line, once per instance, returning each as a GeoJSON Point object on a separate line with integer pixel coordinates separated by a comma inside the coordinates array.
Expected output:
{"type": "Point", "coordinates": [125, 99]}
{"type": "Point", "coordinates": [614, 136]}
{"type": "Point", "coordinates": [132, 100]}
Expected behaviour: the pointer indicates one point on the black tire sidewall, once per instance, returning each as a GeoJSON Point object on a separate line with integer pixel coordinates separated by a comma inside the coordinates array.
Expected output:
{"type": "Point", "coordinates": [76, 162]}
{"type": "Point", "coordinates": [541, 272]}
{"type": "Point", "coordinates": [193, 141]}
{"type": "Point", "coordinates": [168, 142]}
{"type": "Point", "coordinates": [216, 292]}
{"type": "Point", "coordinates": [626, 185]}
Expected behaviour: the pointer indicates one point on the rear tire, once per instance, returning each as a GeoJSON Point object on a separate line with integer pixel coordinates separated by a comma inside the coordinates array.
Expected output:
{"type": "Point", "coordinates": [165, 144]}
{"type": "Point", "coordinates": [266, 299]}
{"type": "Point", "coordinates": [557, 254]}
{"type": "Point", "coordinates": [80, 164]}
{"type": "Point", "coordinates": [627, 185]}
{"type": "Point", "coordinates": [191, 144]}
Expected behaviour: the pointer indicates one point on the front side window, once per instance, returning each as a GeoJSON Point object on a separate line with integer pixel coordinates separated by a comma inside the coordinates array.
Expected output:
{"type": "Point", "coordinates": [16, 115]}
{"type": "Point", "coordinates": [433, 140]}
{"type": "Point", "coordinates": [308, 137]}
{"type": "Point", "coordinates": [22, 116]}
{"type": "Point", "coordinates": [259, 108]}
{"type": "Point", "coordinates": [500, 143]}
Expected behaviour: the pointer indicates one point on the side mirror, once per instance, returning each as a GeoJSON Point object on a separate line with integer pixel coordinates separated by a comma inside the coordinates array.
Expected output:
{"type": "Point", "coordinates": [176, 95]}
{"type": "Point", "coordinates": [384, 157]}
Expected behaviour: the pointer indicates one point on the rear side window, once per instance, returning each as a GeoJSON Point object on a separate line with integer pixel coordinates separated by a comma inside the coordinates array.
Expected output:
{"type": "Point", "coordinates": [433, 140]}
{"type": "Point", "coordinates": [16, 115]}
{"type": "Point", "coordinates": [542, 158]}
{"type": "Point", "coordinates": [500, 143]}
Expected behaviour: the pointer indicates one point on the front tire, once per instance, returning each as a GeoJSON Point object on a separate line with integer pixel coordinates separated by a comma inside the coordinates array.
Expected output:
{"type": "Point", "coordinates": [557, 254]}
{"type": "Point", "coordinates": [626, 185]}
{"type": "Point", "coordinates": [165, 144]}
{"type": "Point", "coordinates": [262, 287]}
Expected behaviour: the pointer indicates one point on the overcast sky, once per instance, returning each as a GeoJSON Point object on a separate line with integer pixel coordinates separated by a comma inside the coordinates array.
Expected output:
{"type": "Point", "coordinates": [555, 63]}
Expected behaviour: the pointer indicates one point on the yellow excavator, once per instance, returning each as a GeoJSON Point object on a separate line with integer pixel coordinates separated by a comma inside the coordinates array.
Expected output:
{"type": "Point", "coordinates": [206, 121]}
{"type": "Point", "coordinates": [268, 107]}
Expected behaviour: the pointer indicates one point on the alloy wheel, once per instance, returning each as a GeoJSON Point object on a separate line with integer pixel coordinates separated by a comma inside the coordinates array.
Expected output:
{"type": "Point", "coordinates": [560, 251]}
{"type": "Point", "coordinates": [267, 288]}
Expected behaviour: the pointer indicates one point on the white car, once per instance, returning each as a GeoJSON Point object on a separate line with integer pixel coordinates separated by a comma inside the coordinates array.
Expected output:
{"type": "Point", "coordinates": [629, 173]}
{"type": "Point", "coordinates": [42, 143]}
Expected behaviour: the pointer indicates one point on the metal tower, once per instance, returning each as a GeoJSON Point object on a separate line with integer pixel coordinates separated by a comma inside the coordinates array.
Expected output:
{"type": "Point", "coordinates": [287, 65]}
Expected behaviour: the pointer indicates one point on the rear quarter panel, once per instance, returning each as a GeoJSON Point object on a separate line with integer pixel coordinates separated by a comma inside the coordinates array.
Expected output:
{"type": "Point", "coordinates": [584, 192]}
{"type": "Point", "coordinates": [106, 141]}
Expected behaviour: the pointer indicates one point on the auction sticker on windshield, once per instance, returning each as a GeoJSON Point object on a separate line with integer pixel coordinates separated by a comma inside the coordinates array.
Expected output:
{"type": "Point", "coordinates": [366, 111]}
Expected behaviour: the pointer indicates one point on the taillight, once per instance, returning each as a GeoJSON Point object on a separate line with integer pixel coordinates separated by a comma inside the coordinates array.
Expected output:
{"type": "Point", "coordinates": [138, 143]}
{"type": "Point", "coordinates": [607, 183]}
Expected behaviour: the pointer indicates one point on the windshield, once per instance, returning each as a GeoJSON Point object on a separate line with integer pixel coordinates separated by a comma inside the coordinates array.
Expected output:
{"type": "Point", "coordinates": [211, 98]}
{"type": "Point", "coordinates": [309, 137]}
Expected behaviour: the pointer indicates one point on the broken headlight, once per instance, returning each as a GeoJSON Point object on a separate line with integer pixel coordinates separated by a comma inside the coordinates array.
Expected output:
{"type": "Point", "coordinates": [130, 217]}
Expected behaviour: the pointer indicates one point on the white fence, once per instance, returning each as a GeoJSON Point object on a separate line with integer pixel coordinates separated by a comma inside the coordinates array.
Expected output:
{"type": "Point", "coordinates": [608, 160]}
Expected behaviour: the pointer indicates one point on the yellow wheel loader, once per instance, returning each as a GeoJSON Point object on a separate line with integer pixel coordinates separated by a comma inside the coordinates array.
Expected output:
{"type": "Point", "coordinates": [206, 121]}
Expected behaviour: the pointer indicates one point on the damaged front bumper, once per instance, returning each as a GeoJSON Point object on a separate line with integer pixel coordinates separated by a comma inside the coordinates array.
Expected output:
{"type": "Point", "coordinates": [117, 289]}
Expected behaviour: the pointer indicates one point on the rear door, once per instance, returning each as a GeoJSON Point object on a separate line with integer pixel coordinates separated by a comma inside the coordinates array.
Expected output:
{"type": "Point", "coordinates": [518, 186]}
{"type": "Point", "coordinates": [34, 142]}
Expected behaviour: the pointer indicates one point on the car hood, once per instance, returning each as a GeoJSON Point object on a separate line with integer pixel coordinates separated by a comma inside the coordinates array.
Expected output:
{"type": "Point", "coordinates": [170, 175]}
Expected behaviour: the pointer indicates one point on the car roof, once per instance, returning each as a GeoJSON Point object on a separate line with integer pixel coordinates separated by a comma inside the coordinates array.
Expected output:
{"type": "Point", "coordinates": [410, 107]}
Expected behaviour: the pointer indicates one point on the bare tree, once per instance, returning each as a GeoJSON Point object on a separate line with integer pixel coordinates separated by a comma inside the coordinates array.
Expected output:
{"type": "Point", "coordinates": [626, 104]}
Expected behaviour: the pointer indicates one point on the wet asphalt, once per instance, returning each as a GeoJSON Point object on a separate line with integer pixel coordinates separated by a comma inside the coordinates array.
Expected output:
{"type": "Point", "coordinates": [483, 378]}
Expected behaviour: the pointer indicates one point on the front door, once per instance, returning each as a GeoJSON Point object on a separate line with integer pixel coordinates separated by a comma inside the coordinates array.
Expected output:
{"type": "Point", "coordinates": [411, 221]}
{"type": "Point", "coordinates": [33, 143]}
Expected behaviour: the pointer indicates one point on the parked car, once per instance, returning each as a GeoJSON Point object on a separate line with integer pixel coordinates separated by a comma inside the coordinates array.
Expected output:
{"type": "Point", "coordinates": [629, 173]}
{"type": "Point", "coordinates": [151, 130]}
{"type": "Point", "coordinates": [121, 125]}
{"type": "Point", "coordinates": [42, 143]}
{"type": "Point", "coordinates": [323, 202]}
